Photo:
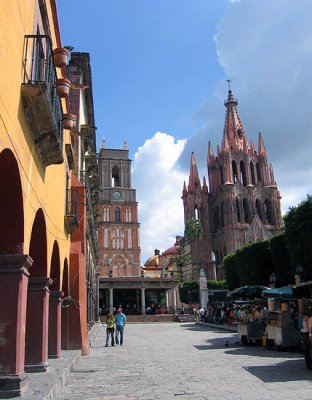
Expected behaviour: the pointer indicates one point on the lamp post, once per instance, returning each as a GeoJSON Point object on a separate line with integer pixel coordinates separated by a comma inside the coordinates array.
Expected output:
{"type": "Point", "coordinates": [299, 274]}
{"type": "Point", "coordinates": [273, 280]}
{"type": "Point", "coordinates": [214, 268]}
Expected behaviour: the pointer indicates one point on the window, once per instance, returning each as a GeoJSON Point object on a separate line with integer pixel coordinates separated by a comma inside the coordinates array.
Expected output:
{"type": "Point", "coordinates": [246, 212]}
{"type": "Point", "coordinates": [221, 176]}
{"type": "Point", "coordinates": [258, 172]}
{"type": "Point", "coordinates": [252, 173]}
{"type": "Point", "coordinates": [115, 176]}
{"type": "Point", "coordinates": [117, 214]}
{"type": "Point", "coordinates": [238, 210]}
{"type": "Point", "coordinates": [243, 173]}
{"type": "Point", "coordinates": [234, 170]}
{"type": "Point", "coordinates": [268, 211]}
{"type": "Point", "coordinates": [258, 208]}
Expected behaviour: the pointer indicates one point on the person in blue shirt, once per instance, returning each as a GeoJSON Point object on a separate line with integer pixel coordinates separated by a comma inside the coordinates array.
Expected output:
{"type": "Point", "coordinates": [120, 319]}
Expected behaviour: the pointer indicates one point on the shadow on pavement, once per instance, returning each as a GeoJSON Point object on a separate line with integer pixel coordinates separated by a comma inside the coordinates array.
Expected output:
{"type": "Point", "coordinates": [285, 371]}
{"type": "Point", "coordinates": [259, 352]}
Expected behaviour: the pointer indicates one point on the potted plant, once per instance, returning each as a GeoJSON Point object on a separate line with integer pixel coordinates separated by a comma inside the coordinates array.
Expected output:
{"type": "Point", "coordinates": [62, 87]}
{"type": "Point", "coordinates": [69, 121]}
{"type": "Point", "coordinates": [60, 55]}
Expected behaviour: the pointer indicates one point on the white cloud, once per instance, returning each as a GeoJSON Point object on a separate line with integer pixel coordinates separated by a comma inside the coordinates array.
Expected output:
{"type": "Point", "coordinates": [265, 48]}
{"type": "Point", "coordinates": [159, 185]}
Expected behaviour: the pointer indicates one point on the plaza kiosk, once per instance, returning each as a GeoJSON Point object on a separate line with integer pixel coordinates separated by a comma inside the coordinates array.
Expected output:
{"type": "Point", "coordinates": [281, 330]}
{"type": "Point", "coordinates": [251, 331]}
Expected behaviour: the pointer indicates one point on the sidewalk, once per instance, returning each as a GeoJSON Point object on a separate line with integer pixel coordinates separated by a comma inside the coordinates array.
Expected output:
{"type": "Point", "coordinates": [49, 385]}
{"type": "Point", "coordinates": [223, 327]}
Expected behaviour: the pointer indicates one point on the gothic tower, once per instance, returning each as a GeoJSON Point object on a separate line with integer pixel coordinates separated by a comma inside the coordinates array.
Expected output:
{"type": "Point", "coordinates": [119, 245]}
{"type": "Point", "coordinates": [242, 204]}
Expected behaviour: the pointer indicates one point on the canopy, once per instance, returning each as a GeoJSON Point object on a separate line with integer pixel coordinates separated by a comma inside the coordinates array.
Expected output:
{"type": "Point", "coordinates": [248, 292]}
{"type": "Point", "coordinates": [285, 292]}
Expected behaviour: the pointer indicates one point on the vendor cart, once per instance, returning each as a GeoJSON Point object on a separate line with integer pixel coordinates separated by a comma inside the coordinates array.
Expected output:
{"type": "Point", "coordinates": [251, 331]}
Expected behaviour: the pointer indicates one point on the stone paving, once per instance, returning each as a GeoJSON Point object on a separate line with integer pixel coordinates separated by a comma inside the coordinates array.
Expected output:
{"type": "Point", "coordinates": [186, 361]}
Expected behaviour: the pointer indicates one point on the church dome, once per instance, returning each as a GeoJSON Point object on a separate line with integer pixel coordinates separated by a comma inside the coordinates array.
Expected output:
{"type": "Point", "coordinates": [152, 262]}
{"type": "Point", "coordinates": [171, 251]}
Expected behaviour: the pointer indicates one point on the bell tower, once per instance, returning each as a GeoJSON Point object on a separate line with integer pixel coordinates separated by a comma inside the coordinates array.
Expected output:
{"type": "Point", "coordinates": [118, 231]}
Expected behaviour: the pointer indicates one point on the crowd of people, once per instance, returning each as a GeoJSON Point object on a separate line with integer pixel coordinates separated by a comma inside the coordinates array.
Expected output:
{"type": "Point", "coordinates": [228, 314]}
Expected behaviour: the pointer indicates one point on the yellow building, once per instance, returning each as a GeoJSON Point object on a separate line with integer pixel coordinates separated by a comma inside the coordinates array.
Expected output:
{"type": "Point", "coordinates": [39, 210]}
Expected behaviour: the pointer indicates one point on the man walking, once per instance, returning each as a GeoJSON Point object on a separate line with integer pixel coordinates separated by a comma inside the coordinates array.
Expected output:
{"type": "Point", "coordinates": [120, 319]}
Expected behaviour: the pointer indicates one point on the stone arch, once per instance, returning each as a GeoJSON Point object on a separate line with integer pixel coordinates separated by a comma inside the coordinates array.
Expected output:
{"type": "Point", "coordinates": [259, 208]}
{"type": "Point", "coordinates": [243, 175]}
{"type": "Point", "coordinates": [246, 210]}
{"type": "Point", "coordinates": [55, 272]}
{"type": "Point", "coordinates": [234, 171]}
{"type": "Point", "coordinates": [11, 205]}
{"type": "Point", "coordinates": [268, 211]}
{"type": "Point", "coordinates": [258, 169]}
{"type": "Point", "coordinates": [221, 175]}
{"type": "Point", "coordinates": [252, 173]}
{"type": "Point", "coordinates": [54, 346]}
{"type": "Point", "coordinates": [38, 246]}
{"type": "Point", "coordinates": [36, 331]}
{"type": "Point", "coordinates": [115, 176]}
{"type": "Point", "coordinates": [238, 214]}
{"type": "Point", "coordinates": [66, 304]}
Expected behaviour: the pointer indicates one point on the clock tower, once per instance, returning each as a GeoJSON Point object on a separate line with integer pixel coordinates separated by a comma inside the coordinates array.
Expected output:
{"type": "Point", "coordinates": [119, 243]}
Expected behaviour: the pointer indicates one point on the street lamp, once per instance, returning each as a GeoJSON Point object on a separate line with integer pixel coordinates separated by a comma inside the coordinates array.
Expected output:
{"type": "Point", "coordinates": [214, 267]}
{"type": "Point", "coordinates": [299, 274]}
{"type": "Point", "coordinates": [273, 280]}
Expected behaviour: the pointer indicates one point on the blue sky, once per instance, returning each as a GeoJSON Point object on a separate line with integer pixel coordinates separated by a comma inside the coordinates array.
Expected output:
{"type": "Point", "coordinates": [153, 62]}
{"type": "Point", "coordinates": [159, 70]}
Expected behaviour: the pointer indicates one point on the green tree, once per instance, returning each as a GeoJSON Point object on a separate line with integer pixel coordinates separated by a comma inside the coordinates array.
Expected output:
{"type": "Point", "coordinates": [188, 291]}
{"type": "Point", "coordinates": [193, 229]}
{"type": "Point", "coordinates": [230, 271]}
{"type": "Point", "coordinates": [281, 260]}
{"type": "Point", "coordinates": [298, 222]}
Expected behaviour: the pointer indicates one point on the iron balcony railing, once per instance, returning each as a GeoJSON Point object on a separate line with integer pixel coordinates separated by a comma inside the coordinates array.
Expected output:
{"type": "Point", "coordinates": [39, 71]}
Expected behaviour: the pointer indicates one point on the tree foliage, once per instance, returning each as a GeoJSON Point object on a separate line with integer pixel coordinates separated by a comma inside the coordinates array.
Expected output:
{"type": "Point", "coordinates": [193, 229]}
{"type": "Point", "coordinates": [281, 260]}
{"type": "Point", "coordinates": [250, 265]}
{"type": "Point", "coordinates": [298, 231]}
{"type": "Point", "coordinates": [189, 292]}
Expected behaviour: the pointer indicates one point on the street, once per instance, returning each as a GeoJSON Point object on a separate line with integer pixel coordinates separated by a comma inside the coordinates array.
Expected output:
{"type": "Point", "coordinates": [186, 361]}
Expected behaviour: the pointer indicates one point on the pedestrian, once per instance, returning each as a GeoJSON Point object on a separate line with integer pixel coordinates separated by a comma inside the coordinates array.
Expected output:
{"type": "Point", "coordinates": [110, 329]}
{"type": "Point", "coordinates": [120, 325]}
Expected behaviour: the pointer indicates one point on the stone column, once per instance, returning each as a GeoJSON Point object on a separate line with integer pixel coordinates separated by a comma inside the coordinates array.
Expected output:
{"type": "Point", "coordinates": [97, 303]}
{"type": "Point", "coordinates": [13, 301]}
{"type": "Point", "coordinates": [174, 298]}
{"type": "Point", "coordinates": [143, 308]}
{"type": "Point", "coordinates": [36, 348]}
{"type": "Point", "coordinates": [167, 298]}
{"type": "Point", "coordinates": [54, 348]}
{"type": "Point", "coordinates": [111, 300]}
{"type": "Point", "coordinates": [203, 291]}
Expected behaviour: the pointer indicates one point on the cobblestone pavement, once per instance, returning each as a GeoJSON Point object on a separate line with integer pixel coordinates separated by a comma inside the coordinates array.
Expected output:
{"type": "Point", "coordinates": [185, 361]}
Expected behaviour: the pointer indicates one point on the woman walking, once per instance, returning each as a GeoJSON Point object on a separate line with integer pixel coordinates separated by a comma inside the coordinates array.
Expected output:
{"type": "Point", "coordinates": [110, 329]}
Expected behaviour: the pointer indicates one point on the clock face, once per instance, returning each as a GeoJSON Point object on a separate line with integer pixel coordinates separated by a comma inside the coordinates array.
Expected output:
{"type": "Point", "coordinates": [116, 195]}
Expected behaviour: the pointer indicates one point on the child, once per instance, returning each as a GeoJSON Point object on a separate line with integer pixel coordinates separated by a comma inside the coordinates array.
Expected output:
{"type": "Point", "coordinates": [110, 329]}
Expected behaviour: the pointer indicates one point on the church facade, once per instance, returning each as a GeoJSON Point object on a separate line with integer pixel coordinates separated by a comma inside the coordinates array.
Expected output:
{"type": "Point", "coordinates": [118, 233]}
{"type": "Point", "coordinates": [241, 204]}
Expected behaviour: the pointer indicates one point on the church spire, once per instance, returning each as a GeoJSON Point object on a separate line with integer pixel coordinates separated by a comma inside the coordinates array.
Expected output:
{"type": "Point", "coordinates": [234, 132]}
{"type": "Point", "coordinates": [194, 180]}
{"type": "Point", "coordinates": [261, 147]}
{"type": "Point", "coordinates": [210, 154]}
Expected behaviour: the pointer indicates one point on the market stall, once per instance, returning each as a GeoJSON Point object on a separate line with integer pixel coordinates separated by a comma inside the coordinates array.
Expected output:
{"type": "Point", "coordinates": [281, 330]}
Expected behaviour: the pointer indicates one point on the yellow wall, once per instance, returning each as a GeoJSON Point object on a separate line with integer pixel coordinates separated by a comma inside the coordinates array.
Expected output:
{"type": "Point", "coordinates": [42, 187]}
